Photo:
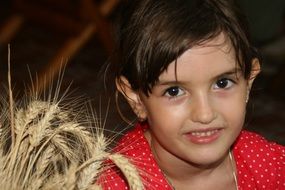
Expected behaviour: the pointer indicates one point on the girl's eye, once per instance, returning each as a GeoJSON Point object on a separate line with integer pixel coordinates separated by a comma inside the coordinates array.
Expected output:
{"type": "Point", "coordinates": [174, 92]}
{"type": "Point", "coordinates": [224, 83]}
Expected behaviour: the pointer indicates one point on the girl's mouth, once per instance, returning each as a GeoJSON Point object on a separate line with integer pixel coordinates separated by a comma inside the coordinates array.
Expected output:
{"type": "Point", "coordinates": [204, 137]}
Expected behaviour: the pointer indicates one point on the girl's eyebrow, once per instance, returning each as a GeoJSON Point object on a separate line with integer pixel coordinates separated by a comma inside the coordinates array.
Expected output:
{"type": "Point", "coordinates": [232, 71]}
{"type": "Point", "coordinates": [235, 71]}
{"type": "Point", "coordinates": [169, 83]}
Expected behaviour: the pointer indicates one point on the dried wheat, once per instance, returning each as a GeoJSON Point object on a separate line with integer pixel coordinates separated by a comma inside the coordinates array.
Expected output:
{"type": "Point", "coordinates": [50, 146]}
{"type": "Point", "coordinates": [129, 171]}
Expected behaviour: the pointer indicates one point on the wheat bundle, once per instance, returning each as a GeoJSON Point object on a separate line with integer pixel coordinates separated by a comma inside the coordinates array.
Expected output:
{"type": "Point", "coordinates": [47, 145]}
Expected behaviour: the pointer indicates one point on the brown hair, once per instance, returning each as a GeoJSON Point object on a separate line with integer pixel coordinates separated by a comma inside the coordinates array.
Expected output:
{"type": "Point", "coordinates": [153, 33]}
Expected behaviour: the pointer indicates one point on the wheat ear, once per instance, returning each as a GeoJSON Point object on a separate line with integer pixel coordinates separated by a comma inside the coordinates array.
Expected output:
{"type": "Point", "coordinates": [91, 171]}
{"type": "Point", "coordinates": [129, 171]}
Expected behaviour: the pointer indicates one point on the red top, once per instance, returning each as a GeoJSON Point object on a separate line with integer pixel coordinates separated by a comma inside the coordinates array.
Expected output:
{"type": "Point", "coordinates": [260, 164]}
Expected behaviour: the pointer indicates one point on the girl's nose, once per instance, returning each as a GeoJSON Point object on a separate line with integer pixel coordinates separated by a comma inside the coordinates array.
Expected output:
{"type": "Point", "coordinates": [201, 110]}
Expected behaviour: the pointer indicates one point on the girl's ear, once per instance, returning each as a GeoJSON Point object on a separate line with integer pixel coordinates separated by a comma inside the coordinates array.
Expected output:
{"type": "Point", "coordinates": [132, 97]}
{"type": "Point", "coordinates": [255, 70]}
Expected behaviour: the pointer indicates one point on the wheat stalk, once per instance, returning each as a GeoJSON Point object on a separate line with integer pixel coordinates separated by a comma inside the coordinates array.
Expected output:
{"type": "Point", "coordinates": [11, 98]}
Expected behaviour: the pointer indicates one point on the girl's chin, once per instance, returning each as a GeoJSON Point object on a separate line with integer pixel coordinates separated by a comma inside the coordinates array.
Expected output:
{"type": "Point", "coordinates": [207, 162]}
{"type": "Point", "coordinates": [207, 155]}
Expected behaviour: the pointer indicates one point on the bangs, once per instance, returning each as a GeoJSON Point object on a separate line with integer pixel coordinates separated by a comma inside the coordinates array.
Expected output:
{"type": "Point", "coordinates": [156, 33]}
{"type": "Point", "coordinates": [165, 40]}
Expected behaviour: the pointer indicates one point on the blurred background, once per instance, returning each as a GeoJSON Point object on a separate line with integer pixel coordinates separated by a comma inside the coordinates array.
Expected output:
{"type": "Point", "coordinates": [46, 35]}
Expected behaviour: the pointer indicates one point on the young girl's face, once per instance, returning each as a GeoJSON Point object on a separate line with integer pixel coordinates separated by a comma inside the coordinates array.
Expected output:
{"type": "Point", "coordinates": [197, 108]}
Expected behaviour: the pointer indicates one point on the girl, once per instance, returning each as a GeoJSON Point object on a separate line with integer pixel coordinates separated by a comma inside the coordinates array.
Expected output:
{"type": "Point", "coordinates": [186, 68]}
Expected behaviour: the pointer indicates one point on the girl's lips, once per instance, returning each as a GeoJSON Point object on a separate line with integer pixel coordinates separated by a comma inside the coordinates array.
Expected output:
{"type": "Point", "coordinates": [204, 136]}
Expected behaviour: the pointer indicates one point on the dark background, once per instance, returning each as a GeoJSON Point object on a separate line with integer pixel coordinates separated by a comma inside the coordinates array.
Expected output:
{"type": "Point", "coordinates": [35, 44]}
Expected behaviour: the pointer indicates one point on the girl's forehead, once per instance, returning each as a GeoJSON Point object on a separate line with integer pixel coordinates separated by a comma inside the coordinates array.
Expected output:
{"type": "Point", "coordinates": [220, 42]}
{"type": "Point", "coordinates": [208, 59]}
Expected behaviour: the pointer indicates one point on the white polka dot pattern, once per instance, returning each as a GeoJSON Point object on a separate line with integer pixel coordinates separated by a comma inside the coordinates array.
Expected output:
{"type": "Point", "coordinates": [260, 164]}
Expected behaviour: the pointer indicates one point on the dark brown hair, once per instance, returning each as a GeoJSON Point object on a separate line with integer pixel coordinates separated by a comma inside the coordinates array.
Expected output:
{"type": "Point", "coordinates": [153, 33]}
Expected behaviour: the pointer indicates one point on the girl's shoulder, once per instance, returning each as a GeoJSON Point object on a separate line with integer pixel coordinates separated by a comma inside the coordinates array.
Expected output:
{"type": "Point", "coordinates": [249, 143]}
{"type": "Point", "coordinates": [111, 177]}
{"type": "Point", "coordinates": [134, 146]}
{"type": "Point", "coordinates": [260, 163]}
{"type": "Point", "coordinates": [133, 141]}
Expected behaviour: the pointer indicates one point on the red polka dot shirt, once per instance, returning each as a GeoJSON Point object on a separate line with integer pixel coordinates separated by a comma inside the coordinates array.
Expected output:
{"type": "Point", "coordinates": [260, 164]}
